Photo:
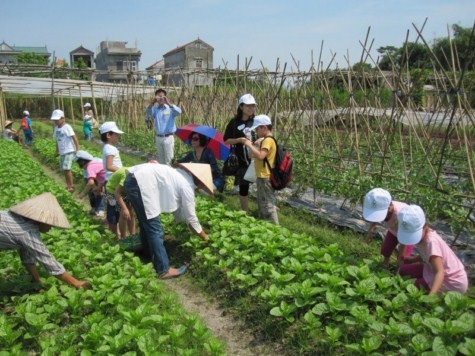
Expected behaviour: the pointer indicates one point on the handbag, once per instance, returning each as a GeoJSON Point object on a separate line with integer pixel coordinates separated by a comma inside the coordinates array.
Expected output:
{"type": "Point", "coordinates": [250, 174]}
{"type": "Point", "coordinates": [231, 164]}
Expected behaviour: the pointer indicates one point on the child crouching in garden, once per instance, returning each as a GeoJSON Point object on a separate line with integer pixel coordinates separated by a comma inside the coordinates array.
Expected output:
{"type": "Point", "coordinates": [437, 268]}
{"type": "Point", "coordinates": [379, 207]}
{"type": "Point", "coordinates": [95, 177]}
{"type": "Point", "coordinates": [115, 186]}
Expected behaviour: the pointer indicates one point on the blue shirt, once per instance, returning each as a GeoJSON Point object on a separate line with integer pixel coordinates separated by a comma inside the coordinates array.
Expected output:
{"type": "Point", "coordinates": [28, 130]}
{"type": "Point", "coordinates": [164, 118]}
{"type": "Point", "coordinates": [206, 157]}
{"type": "Point", "coordinates": [86, 127]}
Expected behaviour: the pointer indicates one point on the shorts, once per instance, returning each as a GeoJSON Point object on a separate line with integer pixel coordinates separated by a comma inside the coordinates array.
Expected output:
{"type": "Point", "coordinates": [66, 161]}
{"type": "Point", "coordinates": [112, 214]}
{"type": "Point", "coordinates": [112, 211]}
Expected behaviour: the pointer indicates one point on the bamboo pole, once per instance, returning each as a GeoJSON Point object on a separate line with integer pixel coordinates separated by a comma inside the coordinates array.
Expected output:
{"type": "Point", "coordinates": [71, 109]}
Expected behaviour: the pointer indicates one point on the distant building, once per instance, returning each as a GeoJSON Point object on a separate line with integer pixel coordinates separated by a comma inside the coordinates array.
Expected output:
{"type": "Point", "coordinates": [117, 63]}
{"type": "Point", "coordinates": [188, 64]}
{"type": "Point", "coordinates": [9, 54]}
{"type": "Point", "coordinates": [82, 53]}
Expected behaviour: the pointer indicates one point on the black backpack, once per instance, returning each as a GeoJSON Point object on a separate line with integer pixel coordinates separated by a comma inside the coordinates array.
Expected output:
{"type": "Point", "coordinates": [281, 174]}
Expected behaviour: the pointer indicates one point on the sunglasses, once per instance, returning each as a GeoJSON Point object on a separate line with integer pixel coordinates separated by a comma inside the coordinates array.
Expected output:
{"type": "Point", "coordinates": [195, 138]}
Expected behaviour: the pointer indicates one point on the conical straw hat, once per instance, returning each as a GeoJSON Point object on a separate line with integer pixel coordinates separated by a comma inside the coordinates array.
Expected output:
{"type": "Point", "coordinates": [202, 172]}
{"type": "Point", "coordinates": [8, 122]}
{"type": "Point", "coordinates": [43, 208]}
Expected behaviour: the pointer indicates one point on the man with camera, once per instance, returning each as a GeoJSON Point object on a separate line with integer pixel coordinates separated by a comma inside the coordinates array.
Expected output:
{"type": "Point", "coordinates": [164, 114]}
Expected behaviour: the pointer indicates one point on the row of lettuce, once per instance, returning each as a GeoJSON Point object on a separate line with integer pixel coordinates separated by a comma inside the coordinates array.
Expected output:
{"type": "Point", "coordinates": [128, 311]}
{"type": "Point", "coordinates": [313, 297]}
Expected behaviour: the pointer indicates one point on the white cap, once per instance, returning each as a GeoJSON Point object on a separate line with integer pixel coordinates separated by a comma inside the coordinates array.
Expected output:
{"type": "Point", "coordinates": [110, 126]}
{"type": "Point", "coordinates": [87, 105]}
{"type": "Point", "coordinates": [87, 117]}
{"type": "Point", "coordinates": [83, 155]}
{"type": "Point", "coordinates": [57, 114]}
{"type": "Point", "coordinates": [375, 205]}
{"type": "Point", "coordinates": [410, 221]}
{"type": "Point", "coordinates": [26, 112]}
{"type": "Point", "coordinates": [261, 120]}
{"type": "Point", "coordinates": [247, 99]}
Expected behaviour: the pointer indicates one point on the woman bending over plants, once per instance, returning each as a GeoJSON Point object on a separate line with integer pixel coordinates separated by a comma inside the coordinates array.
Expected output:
{"type": "Point", "coordinates": [437, 268]}
{"type": "Point", "coordinates": [20, 229]}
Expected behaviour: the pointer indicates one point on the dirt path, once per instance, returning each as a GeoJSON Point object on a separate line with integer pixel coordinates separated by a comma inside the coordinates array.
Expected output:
{"type": "Point", "coordinates": [240, 341]}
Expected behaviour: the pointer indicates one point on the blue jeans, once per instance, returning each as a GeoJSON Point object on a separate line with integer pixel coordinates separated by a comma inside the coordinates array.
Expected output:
{"type": "Point", "coordinates": [28, 137]}
{"type": "Point", "coordinates": [151, 230]}
{"type": "Point", "coordinates": [96, 201]}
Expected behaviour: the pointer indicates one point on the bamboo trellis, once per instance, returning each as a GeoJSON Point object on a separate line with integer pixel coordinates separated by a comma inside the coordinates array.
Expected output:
{"type": "Point", "coordinates": [375, 134]}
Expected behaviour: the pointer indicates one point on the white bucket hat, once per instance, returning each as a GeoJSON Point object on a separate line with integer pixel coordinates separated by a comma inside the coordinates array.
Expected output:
{"type": "Point", "coordinates": [87, 105]}
{"type": "Point", "coordinates": [110, 126]}
{"type": "Point", "coordinates": [202, 172]}
{"type": "Point", "coordinates": [43, 208]}
{"type": "Point", "coordinates": [26, 112]}
{"type": "Point", "coordinates": [247, 99]}
{"type": "Point", "coordinates": [375, 205]}
{"type": "Point", "coordinates": [410, 224]}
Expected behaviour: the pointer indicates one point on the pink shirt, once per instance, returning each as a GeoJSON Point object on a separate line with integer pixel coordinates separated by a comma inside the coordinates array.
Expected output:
{"type": "Point", "coordinates": [455, 278]}
{"type": "Point", "coordinates": [391, 224]}
{"type": "Point", "coordinates": [95, 170]}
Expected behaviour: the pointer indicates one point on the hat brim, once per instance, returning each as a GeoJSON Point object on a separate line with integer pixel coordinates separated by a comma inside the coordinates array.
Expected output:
{"type": "Point", "coordinates": [117, 131]}
{"type": "Point", "coordinates": [43, 208]}
{"type": "Point", "coordinates": [409, 238]}
{"type": "Point", "coordinates": [372, 215]}
{"type": "Point", "coordinates": [206, 180]}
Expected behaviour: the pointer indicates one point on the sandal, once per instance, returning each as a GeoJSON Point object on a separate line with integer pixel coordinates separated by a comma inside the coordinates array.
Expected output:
{"type": "Point", "coordinates": [180, 271]}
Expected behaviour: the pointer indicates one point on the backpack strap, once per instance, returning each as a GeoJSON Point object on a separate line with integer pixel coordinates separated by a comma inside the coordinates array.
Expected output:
{"type": "Point", "coordinates": [266, 161]}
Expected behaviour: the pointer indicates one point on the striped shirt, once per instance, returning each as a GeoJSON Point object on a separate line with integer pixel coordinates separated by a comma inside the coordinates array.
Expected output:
{"type": "Point", "coordinates": [18, 233]}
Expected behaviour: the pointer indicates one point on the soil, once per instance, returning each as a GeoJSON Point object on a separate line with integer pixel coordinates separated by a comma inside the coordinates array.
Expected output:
{"type": "Point", "coordinates": [239, 339]}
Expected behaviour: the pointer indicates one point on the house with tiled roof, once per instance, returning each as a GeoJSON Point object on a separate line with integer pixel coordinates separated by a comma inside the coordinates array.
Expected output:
{"type": "Point", "coordinates": [82, 53]}
{"type": "Point", "coordinates": [189, 64]}
{"type": "Point", "coordinates": [9, 54]}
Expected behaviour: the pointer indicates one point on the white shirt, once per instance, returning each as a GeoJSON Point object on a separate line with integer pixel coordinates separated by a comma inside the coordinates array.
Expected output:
{"type": "Point", "coordinates": [7, 134]}
{"type": "Point", "coordinates": [109, 150]}
{"type": "Point", "coordinates": [167, 190]}
{"type": "Point", "coordinates": [63, 136]}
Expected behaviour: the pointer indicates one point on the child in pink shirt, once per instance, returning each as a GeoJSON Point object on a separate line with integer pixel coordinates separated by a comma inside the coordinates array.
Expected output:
{"type": "Point", "coordinates": [437, 268]}
{"type": "Point", "coordinates": [378, 207]}
{"type": "Point", "coordinates": [95, 177]}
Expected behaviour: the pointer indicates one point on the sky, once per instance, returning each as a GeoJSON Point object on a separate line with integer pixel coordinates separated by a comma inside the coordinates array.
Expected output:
{"type": "Point", "coordinates": [264, 33]}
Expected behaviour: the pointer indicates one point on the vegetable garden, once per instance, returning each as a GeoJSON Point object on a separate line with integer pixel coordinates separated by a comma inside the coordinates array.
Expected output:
{"type": "Point", "coordinates": [287, 286]}
{"type": "Point", "coordinates": [348, 131]}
